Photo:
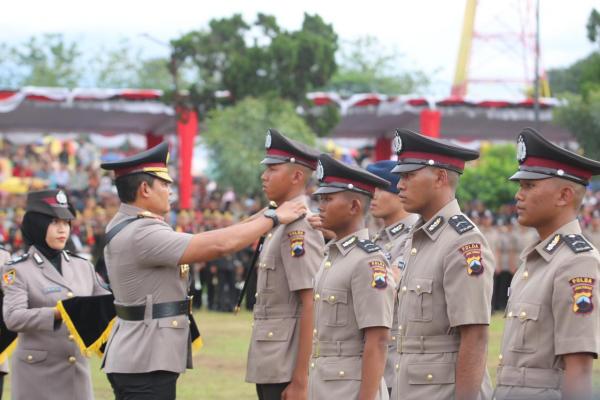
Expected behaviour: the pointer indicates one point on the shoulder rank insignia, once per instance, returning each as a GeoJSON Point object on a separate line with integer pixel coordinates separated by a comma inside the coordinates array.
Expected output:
{"type": "Point", "coordinates": [368, 246]}
{"type": "Point", "coordinates": [461, 224]}
{"type": "Point", "coordinates": [577, 243]}
{"type": "Point", "coordinates": [379, 272]}
{"type": "Point", "coordinates": [553, 244]}
{"type": "Point", "coordinates": [435, 225]}
{"type": "Point", "coordinates": [18, 259]}
{"type": "Point", "coordinates": [38, 259]}
{"type": "Point", "coordinates": [9, 277]}
{"type": "Point", "coordinates": [72, 254]}
{"type": "Point", "coordinates": [472, 253]}
{"type": "Point", "coordinates": [296, 243]}
{"type": "Point", "coordinates": [148, 214]}
{"type": "Point", "coordinates": [397, 229]}
{"type": "Point", "coordinates": [349, 243]}
{"type": "Point", "coordinates": [582, 294]}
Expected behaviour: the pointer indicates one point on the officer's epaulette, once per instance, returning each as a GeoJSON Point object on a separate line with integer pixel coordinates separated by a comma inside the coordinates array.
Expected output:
{"type": "Point", "coordinates": [368, 246]}
{"type": "Point", "coordinates": [71, 253]}
{"type": "Point", "coordinates": [577, 243]}
{"type": "Point", "coordinates": [461, 224]}
{"type": "Point", "coordinates": [18, 259]}
{"type": "Point", "coordinates": [148, 214]}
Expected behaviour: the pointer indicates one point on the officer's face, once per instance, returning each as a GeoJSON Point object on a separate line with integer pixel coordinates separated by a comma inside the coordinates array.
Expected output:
{"type": "Point", "coordinates": [334, 209]}
{"type": "Point", "coordinates": [160, 197]}
{"type": "Point", "coordinates": [276, 181]}
{"type": "Point", "coordinates": [414, 187]}
{"type": "Point", "coordinates": [57, 234]}
{"type": "Point", "coordinates": [384, 204]}
{"type": "Point", "coordinates": [535, 205]}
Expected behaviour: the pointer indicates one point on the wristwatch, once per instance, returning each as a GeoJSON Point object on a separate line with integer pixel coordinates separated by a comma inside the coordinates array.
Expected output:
{"type": "Point", "coordinates": [272, 215]}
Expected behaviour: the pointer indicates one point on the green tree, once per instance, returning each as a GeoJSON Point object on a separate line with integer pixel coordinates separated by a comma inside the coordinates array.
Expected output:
{"type": "Point", "coordinates": [236, 135]}
{"type": "Point", "coordinates": [581, 116]}
{"type": "Point", "coordinates": [487, 180]}
{"type": "Point", "coordinates": [593, 27]}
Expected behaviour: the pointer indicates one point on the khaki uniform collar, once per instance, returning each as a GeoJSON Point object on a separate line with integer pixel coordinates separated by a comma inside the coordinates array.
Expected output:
{"type": "Point", "coordinates": [133, 211]}
{"type": "Point", "coordinates": [549, 246]}
{"type": "Point", "coordinates": [347, 243]}
{"type": "Point", "coordinates": [434, 227]}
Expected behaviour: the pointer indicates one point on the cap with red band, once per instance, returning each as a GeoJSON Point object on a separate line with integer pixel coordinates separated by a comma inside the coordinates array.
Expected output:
{"type": "Point", "coordinates": [281, 150]}
{"type": "Point", "coordinates": [416, 151]}
{"type": "Point", "coordinates": [541, 159]}
{"type": "Point", "coordinates": [54, 203]}
{"type": "Point", "coordinates": [335, 176]}
{"type": "Point", "coordinates": [152, 161]}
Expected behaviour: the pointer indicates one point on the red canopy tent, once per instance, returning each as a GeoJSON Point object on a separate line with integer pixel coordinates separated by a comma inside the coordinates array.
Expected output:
{"type": "Point", "coordinates": [105, 111]}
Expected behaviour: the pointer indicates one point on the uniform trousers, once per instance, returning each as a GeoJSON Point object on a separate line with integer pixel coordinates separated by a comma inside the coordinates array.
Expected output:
{"type": "Point", "coordinates": [270, 391]}
{"type": "Point", "coordinates": [155, 385]}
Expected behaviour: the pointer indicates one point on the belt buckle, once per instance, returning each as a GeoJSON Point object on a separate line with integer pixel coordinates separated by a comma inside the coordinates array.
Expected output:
{"type": "Point", "coordinates": [190, 308]}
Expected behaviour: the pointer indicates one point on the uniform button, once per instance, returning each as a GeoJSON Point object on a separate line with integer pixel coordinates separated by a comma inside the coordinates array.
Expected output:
{"type": "Point", "coordinates": [269, 235]}
{"type": "Point", "coordinates": [256, 294]}
{"type": "Point", "coordinates": [510, 314]}
{"type": "Point", "coordinates": [72, 360]}
{"type": "Point", "coordinates": [331, 298]}
{"type": "Point", "coordinates": [523, 314]}
{"type": "Point", "coordinates": [413, 251]}
{"type": "Point", "coordinates": [404, 288]}
{"type": "Point", "coordinates": [174, 323]}
{"type": "Point", "coordinates": [312, 365]}
{"type": "Point", "coordinates": [315, 332]}
{"type": "Point", "coordinates": [69, 294]}
{"type": "Point", "coordinates": [71, 338]}
{"type": "Point", "coordinates": [393, 337]}
{"type": "Point", "coordinates": [397, 367]}
{"type": "Point", "coordinates": [327, 264]}
{"type": "Point", "coordinates": [429, 377]}
{"type": "Point", "coordinates": [500, 357]}
{"type": "Point", "coordinates": [400, 327]}
{"type": "Point", "coordinates": [317, 296]}
{"type": "Point", "coordinates": [342, 373]}
{"type": "Point", "coordinates": [29, 357]}
{"type": "Point", "coordinates": [270, 334]}
{"type": "Point", "coordinates": [525, 274]}
{"type": "Point", "coordinates": [418, 287]}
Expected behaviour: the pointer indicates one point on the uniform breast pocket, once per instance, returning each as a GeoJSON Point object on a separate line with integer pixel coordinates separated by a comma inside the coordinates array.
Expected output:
{"type": "Point", "coordinates": [335, 307]}
{"type": "Point", "coordinates": [266, 275]}
{"type": "Point", "coordinates": [420, 291]}
{"type": "Point", "coordinates": [524, 321]}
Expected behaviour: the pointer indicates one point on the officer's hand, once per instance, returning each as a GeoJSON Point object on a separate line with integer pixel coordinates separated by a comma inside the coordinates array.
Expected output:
{"type": "Point", "coordinates": [290, 211]}
{"type": "Point", "coordinates": [295, 391]}
{"type": "Point", "coordinates": [315, 222]}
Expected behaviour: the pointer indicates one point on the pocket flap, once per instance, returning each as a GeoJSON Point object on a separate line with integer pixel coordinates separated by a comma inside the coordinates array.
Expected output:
{"type": "Point", "coordinates": [267, 262]}
{"type": "Point", "coordinates": [176, 322]}
{"type": "Point", "coordinates": [431, 373]}
{"type": "Point", "coordinates": [278, 330]}
{"type": "Point", "coordinates": [524, 311]}
{"type": "Point", "coordinates": [32, 356]}
{"type": "Point", "coordinates": [345, 369]}
{"type": "Point", "coordinates": [334, 296]}
{"type": "Point", "coordinates": [421, 285]}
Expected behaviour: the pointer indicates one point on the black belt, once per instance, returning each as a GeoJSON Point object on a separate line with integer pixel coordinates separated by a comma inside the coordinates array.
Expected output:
{"type": "Point", "coordinates": [159, 310]}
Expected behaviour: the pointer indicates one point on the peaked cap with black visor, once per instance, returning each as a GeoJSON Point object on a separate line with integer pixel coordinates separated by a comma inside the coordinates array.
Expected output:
{"type": "Point", "coordinates": [541, 159]}
{"type": "Point", "coordinates": [416, 151]}
{"type": "Point", "coordinates": [281, 149]}
{"type": "Point", "coordinates": [152, 161]}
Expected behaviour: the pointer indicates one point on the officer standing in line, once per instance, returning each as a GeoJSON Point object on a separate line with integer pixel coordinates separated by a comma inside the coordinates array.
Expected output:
{"type": "Point", "coordinates": [444, 297]}
{"type": "Point", "coordinates": [283, 314]}
{"type": "Point", "coordinates": [354, 291]}
{"type": "Point", "coordinates": [593, 230]}
{"type": "Point", "coordinates": [147, 264]}
{"type": "Point", "coordinates": [4, 258]}
{"type": "Point", "coordinates": [552, 330]}
{"type": "Point", "coordinates": [392, 240]}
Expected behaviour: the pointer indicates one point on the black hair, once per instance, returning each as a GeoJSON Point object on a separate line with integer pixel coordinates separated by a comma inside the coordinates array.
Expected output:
{"type": "Point", "coordinates": [128, 185]}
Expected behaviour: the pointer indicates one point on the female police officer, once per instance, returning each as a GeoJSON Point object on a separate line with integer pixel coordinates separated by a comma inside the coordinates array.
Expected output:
{"type": "Point", "coordinates": [47, 363]}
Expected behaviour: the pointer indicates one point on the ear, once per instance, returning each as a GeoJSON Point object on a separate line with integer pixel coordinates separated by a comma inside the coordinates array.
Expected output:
{"type": "Point", "coordinates": [565, 196]}
{"type": "Point", "coordinates": [297, 176]}
{"type": "Point", "coordinates": [441, 177]}
{"type": "Point", "coordinates": [356, 207]}
{"type": "Point", "coordinates": [144, 190]}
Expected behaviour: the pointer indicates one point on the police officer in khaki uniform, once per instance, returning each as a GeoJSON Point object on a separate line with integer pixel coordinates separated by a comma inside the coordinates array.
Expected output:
{"type": "Point", "coordinates": [392, 240]}
{"type": "Point", "coordinates": [353, 291]}
{"type": "Point", "coordinates": [444, 298]}
{"type": "Point", "coordinates": [592, 233]}
{"type": "Point", "coordinates": [552, 330]}
{"type": "Point", "coordinates": [147, 263]}
{"type": "Point", "coordinates": [283, 314]}
{"type": "Point", "coordinates": [46, 364]}
{"type": "Point", "coordinates": [4, 258]}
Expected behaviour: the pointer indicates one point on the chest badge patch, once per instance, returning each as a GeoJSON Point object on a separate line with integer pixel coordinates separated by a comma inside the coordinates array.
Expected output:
{"type": "Point", "coordinates": [472, 253]}
{"type": "Point", "coordinates": [582, 294]}
{"type": "Point", "coordinates": [379, 272]}
{"type": "Point", "coordinates": [9, 277]}
{"type": "Point", "coordinates": [296, 243]}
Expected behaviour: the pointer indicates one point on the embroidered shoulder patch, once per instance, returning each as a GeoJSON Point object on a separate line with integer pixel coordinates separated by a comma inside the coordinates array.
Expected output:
{"type": "Point", "coordinates": [472, 253]}
{"type": "Point", "coordinates": [9, 277]}
{"type": "Point", "coordinates": [368, 246]}
{"type": "Point", "coordinates": [552, 245]}
{"type": "Point", "coordinates": [577, 243]}
{"type": "Point", "coordinates": [582, 294]}
{"type": "Point", "coordinates": [349, 242]}
{"type": "Point", "coordinates": [397, 229]}
{"type": "Point", "coordinates": [17, 260]}
{"type": "Point", "coordinates": [435, 225]}
{"type": "Point", "coordinates": [379, 274]}
{"type": "Point", "coordinates": [296, 243]}
{"type": "Point", "coordinates": [461, 224]}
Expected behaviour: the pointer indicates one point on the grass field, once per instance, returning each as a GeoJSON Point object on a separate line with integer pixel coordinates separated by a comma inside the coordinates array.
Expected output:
{"type": "Point", "coordinates": [220, 365]}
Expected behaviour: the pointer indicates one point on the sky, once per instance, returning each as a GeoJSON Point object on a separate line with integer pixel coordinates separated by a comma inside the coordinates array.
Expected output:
{"type": "Point", "coordinates": [425, 32]}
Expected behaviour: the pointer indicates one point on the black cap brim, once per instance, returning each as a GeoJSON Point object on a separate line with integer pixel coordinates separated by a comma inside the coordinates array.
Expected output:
{"type": "Point", "coordinates": [63, 213]}
{"type": "Point", "coordinates": [272, 160]}
{"type": "Point", "coordinates": [401, 168]}
{"type": "Point", "coordinates": [528, 175]}
{"type": "Point", "coordinates": [328, 190]}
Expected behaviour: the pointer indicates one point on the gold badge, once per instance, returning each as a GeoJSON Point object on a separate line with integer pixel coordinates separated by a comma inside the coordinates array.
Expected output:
{"type": "Point", "coordinates": [184, 271]}
{"type": "Point", "coordinates": [9, 277]}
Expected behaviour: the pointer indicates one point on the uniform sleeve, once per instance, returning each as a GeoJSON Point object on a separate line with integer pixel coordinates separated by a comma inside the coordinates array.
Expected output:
{"type": "Point", "coordinates": [468, 280]}
{"type": "Point", "coordinates": [158, 245]}
{"type": "Point", "coordinates": [372, 293]}
{"type": "Point", "coordinates": [301, 253]}
{"type": "Point", "coordinates": [17, 316]}
{"type": "Point", "coordinates": [575, 307]}
{"type": "Point", "coordinates": [100, 286]}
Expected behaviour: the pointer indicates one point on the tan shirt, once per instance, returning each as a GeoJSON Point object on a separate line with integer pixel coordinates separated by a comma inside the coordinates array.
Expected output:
{"type": "Point", "coordinates": [552, 311]}
{"type": "Point", "coordinates": [46, 364]}
{"type": "Point", "coordinates": [393, 240]}
{"type": "Point", "coordinates": [289, 260]}
{"type": "Point", "coordinates": [353, 291]}
{"type": "Point", "coordinates": [4, 257]}
{"type": "Point", "coordinates": [142, 263]}
{"type": "Point", "coordinates": [447, 282]}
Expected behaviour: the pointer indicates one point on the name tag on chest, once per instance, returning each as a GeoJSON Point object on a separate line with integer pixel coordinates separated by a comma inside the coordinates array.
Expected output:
{"type": "Point", "coordinates": [52, 289]}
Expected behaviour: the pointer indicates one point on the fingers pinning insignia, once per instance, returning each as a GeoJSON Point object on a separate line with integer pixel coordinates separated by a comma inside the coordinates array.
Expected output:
{"type": "Point", "coordinates": [379, 271]}
{"type": "Point", "coordinates": [582, 294]}
{"type": "Point", "coordinates": [9, 277]}
{"type": "Point", "coordinates": [472, 253]}
{"type": "Point", "coordinates": [296, 243]}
